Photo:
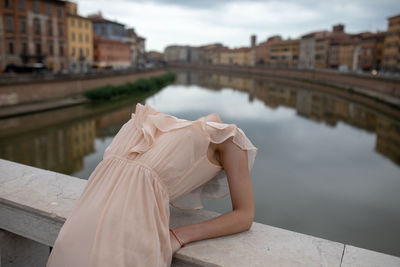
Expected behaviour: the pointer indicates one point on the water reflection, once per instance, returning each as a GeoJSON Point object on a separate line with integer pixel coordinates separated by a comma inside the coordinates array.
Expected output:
{"type": "Point", "coordinates": [328, 162]}
{"type": "Point", "coordinates": [314, 105]}
{"type": "Point", "coordinates": [58, 149]}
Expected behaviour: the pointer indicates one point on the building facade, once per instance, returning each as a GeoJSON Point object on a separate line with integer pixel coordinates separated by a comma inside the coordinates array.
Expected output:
{"type": "Point", "coordinates": [263, 50]}
{"type": "Point", "coordinates": [33, 32]}
{"type": "Point", "coordinates": [114, 48]}
{"type": "Point", "coordinates": [176, 53]}
{"type": "Point", "coordinates": [237, 56]}
{"type": "Point", "coordinates": [391, 57]}
{"type": "Point", "coordinates": [80, 41]}
{"type": "Point", "coordinates": [370, 51]}
{"type": "Point", "coordinates": [111, 54]}
{"type": "Point", "coordinates": [313, 50]}
{"type": "Point", "coordinates": [284, 53]}
{"type": "Point", "coordinates": [108, 29]}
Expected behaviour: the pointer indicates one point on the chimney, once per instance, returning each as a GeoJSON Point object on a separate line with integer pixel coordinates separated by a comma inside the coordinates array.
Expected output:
{"type": "Point", "coordinates": [338, 28]}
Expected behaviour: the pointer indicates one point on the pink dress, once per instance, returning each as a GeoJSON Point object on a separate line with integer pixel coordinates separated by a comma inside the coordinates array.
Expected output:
{"type": "Point", "coordinates": [122, 217]}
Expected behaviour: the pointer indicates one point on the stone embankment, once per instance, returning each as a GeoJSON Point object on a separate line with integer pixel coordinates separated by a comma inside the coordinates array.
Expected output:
{"type": "Point", "coordinates": [35, 90]}
{"type": "Point", "coordinates": [34, 204]}
{"type": "Point", "coordinates": [385, 89]}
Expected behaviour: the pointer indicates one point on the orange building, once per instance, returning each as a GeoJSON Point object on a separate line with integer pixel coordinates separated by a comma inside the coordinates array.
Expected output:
{"type": "Point", "coordinates": [371, 50]}
{"type": "Point", "coordinates": [263, 50]}
{"type": "Point", "coordinates": [110, 53]}
{"type": "Point", "coordinates": [33, 32]}
{"type": "Point", "coordinates": [391, 58]}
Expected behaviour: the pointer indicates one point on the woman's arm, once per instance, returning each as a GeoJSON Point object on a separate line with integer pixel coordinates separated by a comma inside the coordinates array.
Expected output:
{"type": "Point", "coordinates": [235, 163]}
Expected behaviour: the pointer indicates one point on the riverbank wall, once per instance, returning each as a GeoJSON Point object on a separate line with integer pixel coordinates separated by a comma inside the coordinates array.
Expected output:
{"type": "Point", "coordinates": [35, 90]}
{"type": "Point", "coordinates": [381, 88]}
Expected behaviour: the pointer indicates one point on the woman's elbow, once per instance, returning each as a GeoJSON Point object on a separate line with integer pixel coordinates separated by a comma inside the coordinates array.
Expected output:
{"type": "Point", "coordinates": [247, 220]}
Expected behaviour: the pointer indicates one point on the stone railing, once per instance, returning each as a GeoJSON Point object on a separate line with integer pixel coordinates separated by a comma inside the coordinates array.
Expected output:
{"type": "Point", "coordinates": [34, 204]}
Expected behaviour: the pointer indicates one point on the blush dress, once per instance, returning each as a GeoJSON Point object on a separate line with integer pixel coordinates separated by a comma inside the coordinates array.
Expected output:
{"type": "Point", "coordinates": [155, 160]}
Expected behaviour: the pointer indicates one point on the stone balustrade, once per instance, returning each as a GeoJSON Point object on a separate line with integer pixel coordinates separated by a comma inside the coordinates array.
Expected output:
{"type": "Point", "coordinates": [34, 204]}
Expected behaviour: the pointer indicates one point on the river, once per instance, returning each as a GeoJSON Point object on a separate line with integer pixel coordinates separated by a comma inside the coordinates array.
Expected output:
{"type": "Point", "coordinates": [328, 163]}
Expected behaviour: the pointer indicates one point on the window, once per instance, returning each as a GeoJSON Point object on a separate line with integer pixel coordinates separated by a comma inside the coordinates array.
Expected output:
{"type": "Point", "coordinates": [24, 48]}
{"type": "Point", "coordinates": [38, 48]}
{"type": "Point", "coordinates": [60, 11]}
{"type": "Point", "coordinates": [51, 49]}
{"type": "Point", "coordinates": [80, 37]}
{"type": "Point", "coordinates": [48, 9]}
{"type": "Point", "coordinates": [10, 23]}
{"type": "Point", "coordinates": [103, 29]}
{"type": "Point", "coordinates": [22, 25]}
{"type": "Point", "coordinates": [36, 6]}
{"type": "Point", "coordinates": [36, 26]}
{"type": "Point", "coordinates": [60, 30]}
{"type": "Point", "coordinates": [86, 25]}
{"type": "Point", "coordinates": [11, 47]}
{"type": "Point", "coordinates": [73, 51]}
{"type": "Point", "coordinates": [79, 23]}
{"type": "Point", "coordinates": [87, 38]}
{"type": "Point", "coordinates": [7, 3]}
{"type": "Point", "coordinates": [21, 4]}
{"type": "Point", "coordinates": [80, 53]}
{"type": "Point", "coordinates": [61, 50]}
{"type": "Point", "coordinates": [72, 22]}
{"type": "Point", "coordinates": [87, 52]}
{"type": "Point", "coordinates": [73, 36]}
{"type": "Point", "coordinates": [50, 28]}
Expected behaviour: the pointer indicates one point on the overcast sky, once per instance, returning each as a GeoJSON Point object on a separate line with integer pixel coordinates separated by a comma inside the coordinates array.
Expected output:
{"type": "Point", "coordinates": [231, 22]}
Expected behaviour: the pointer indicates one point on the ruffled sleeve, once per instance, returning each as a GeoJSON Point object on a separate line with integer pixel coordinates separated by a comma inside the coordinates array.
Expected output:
{"type": "Point", "coordinates": [148, 121]}
{"type": "Point", "coordinates": [217, 186]}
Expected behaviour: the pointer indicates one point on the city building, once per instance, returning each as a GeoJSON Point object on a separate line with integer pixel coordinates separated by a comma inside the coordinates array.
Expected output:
{"type": "Point", "coordinates": [33, 33]}
{"type": "Point", "coordinates": [111, 54]}
{"type": "Point", "coordinates": [284, 53]}
{"type": "Point", "coordinates": [329, 49]}
{"type": "Point", "coordinates": [214, 56]}
{"type": "Point", "coordinates": [313, 50]}
{"type": "Point", "coordinates": [348, 52]}
{"type": "Point", "coordinates": [111, 44]}
{"type": "Point", "coordinates": [176, 53]}
{"type": "Point", "coordinates": [108, 29]}
{"type": "Point", "coordinates": [155, 58]}
{"type": "Point", "coordinates": [391, 57]}
{"type": "Point", "coordinates": [263, 50]}
{"type": "Point", "coordinates": [335, 39]}
{"type": "Point", "coordinates": [237, 56]}
{"type": "Point", "coordinates": [80, 40]}
{"type": "Point", "coordinates": [369, 51]}
{"type": "Point", "coordinates": [137, 46]}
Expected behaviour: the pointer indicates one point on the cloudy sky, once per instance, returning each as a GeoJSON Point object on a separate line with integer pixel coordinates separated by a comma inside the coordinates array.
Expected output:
{"type": "Point", "coordinates": [231, 22]}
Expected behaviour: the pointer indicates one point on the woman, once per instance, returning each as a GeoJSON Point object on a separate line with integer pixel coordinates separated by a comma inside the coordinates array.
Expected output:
{"type": "Point", "coordinates": [122, 216]}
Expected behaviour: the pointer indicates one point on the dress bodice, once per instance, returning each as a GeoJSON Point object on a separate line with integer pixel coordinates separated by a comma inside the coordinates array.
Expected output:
{"type": "Point", "coordinates": [176, 150]}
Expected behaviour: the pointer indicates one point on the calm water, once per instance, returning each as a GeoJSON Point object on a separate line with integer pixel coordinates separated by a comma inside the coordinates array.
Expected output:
{"type": "Point", "coordinates": [328, 163]}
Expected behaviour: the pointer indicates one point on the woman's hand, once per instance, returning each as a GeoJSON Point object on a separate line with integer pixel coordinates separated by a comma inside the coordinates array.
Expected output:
{"type": "Point", "coordinates": [174, 243]}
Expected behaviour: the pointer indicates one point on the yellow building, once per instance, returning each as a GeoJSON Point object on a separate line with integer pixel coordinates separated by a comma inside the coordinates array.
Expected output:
{"type": "Point", "coordinates": [346, 54]}
{"type": "Point", "coordinates": [284, 53]}
{"type": "Point", "coordinates": [238, 56]}
{"type": "Point", "coordinates": [80, 40]}
{"type": "Point", "coordinates": [391, 57]}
